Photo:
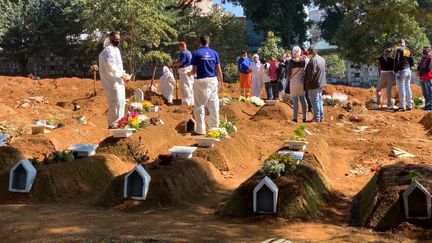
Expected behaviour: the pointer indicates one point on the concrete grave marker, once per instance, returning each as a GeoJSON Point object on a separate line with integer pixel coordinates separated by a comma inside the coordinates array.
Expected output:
{"type": "Point", "coordinates": [22, 177]}
{"type": "Point", "coordinates": [182, 152]}
{"type": "Point", "coordinates": [84, 150]}
{"type": "Point", "coordinates": [417, 202]}
{"type": "Point", "coordinates": [206, 142]}
{"type": "Point", "coordinates": [154, 108]}
{"type": "Point", "coordinates": [265, 196]}
{"type": "Point", "coordinates": [3, 138]}
{"type": "Point", "coordinates": [139, 95]}
{"type": "Point", "coordinates": [136, 184]}
{"type": "Point", "coordinates": [37, 129]}
{"type": "Point", "coordinates": [122, 132]}
{"type": "Point", "coordinates": [190, 125]}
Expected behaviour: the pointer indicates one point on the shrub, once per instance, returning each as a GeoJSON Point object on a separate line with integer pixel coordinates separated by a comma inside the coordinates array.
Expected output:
{"type": "Point", "coordinates": [231, 74]}
{"type": "Point", "coordinates": [272, 169]}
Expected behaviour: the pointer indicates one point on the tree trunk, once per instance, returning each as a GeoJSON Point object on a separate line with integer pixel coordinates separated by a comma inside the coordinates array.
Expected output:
{"type": "Point", "coordinates": [23, 62]}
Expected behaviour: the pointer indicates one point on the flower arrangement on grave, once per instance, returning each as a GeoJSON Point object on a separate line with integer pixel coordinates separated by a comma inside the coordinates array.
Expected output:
{"type": "Point", "coordinates": [146, 105]}
{"type": "Point", "coordinates": [254, 100]}
{"type": "Point", "coordinates": [289, 162]}
{"type": "Point", "coordinates": [299, 133]}
{"type": "Point", "coordinates": [136, 107]}
{"type": "Point", "coordinates": [272, 169]}
{"type": "Point", "coordinates": [229, 126]}
{"type": "Point", "coordinates": [217, 133]}
{"type": "Point", "coordinates": [132, 120]}
{"type": "Point", "coordinates": [225, 98]}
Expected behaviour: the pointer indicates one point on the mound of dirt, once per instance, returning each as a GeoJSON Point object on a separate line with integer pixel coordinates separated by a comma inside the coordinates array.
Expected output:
{"type": "Point", "coordinates": [180, 183]}
{"type": "Point", "coordinates": [69, 181]}
{"type": "Point", "coordinates": [379, 205]}
{"type": "Point", "coordinates": [278, 112]}
{"type": "Point", "coordinates": [302, 194]}
{"type": "Point", "coordinates": [237, 111]}
{"type": "Point", "coordinates": [426, 121]}
{"type": "Point", "coordinates": [9, 157]}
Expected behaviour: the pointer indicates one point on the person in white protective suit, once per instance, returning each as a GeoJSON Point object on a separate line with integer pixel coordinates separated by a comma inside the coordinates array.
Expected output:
{"type": "Point", "coordinates": [184, 67]}
{"type": "Point", "coordinates": [113, 78]}
{"type": "Point", "coordinates": [257, 82]}
{"type": "Point", "coordinates": [167, 83]}
{"type": "Point", "coordinates": [207, 84]}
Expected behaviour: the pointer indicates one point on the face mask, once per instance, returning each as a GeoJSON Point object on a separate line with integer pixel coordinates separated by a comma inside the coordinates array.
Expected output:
{"type": "Point", "coordinates": [425, 52]}
{"type": "Point", "coordinates": [115, 42]}
{"type": "Point", "coordinates": [255, 60]}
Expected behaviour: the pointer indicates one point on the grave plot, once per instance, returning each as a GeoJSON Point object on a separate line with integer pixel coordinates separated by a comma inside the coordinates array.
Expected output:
{"type": "Point", "coordinates": [396, 194]}
{"type": "Point", "coordinates": [301, 194]}
{"type": "Point", "coordinates": [137, 183]}
{"type": "Point", "coordinates": [265, 196]}
{"type": "Point", "coordinates": [22, 177]}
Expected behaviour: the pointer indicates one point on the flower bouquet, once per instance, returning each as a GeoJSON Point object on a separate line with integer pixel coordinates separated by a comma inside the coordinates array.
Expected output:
{"type": "Point", "coordinates": [132, 120]}
{"type": "Point", "coordinates": [257, 101]}
{"type": "Point", "coordinates": [297, 141]}
{"type": "Point", "coordinates": [217, 133]}
{"type": "Point", "coordinates": [229, 126]}
{"type": "Point", "coordinates": [147, 105]}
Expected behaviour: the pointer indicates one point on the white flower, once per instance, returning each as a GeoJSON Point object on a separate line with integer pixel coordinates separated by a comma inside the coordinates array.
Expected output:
{"type": "Point", "coordinates": [137, 106]}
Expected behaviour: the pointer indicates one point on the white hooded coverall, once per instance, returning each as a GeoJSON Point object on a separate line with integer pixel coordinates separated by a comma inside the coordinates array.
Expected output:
{"type": "Point", "coordinates": [206, 93]}
{"type": "Point", "coordinates": [257, 81]}
{"type": "Point", "coordinates": [187, 85]}
{"type": "Point", "coordinates": [111, 73]}
{"type": "Point", "coordinates": [167, 83]}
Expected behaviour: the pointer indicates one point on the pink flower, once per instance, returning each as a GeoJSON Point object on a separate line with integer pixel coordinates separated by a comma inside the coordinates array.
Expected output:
{"type": "Point", "coordinates": [133, 114]}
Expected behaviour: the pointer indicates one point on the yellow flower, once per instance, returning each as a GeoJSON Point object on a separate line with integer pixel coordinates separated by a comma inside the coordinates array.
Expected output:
{"type": "Point", "coordinates": [134, 122]}
{"type": "Point", "coordinates": [147, 104]}
{"type": "Point", "coordinates": [214, 134]}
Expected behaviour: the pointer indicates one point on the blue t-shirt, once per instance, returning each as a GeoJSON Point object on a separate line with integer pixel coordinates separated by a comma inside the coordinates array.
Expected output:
{"type": "Point", "coordinates": [243, 64]}
{"type": "Point", "coordinates": [185, 58]}
{"type": "Point", "coordinates": [205, 59]}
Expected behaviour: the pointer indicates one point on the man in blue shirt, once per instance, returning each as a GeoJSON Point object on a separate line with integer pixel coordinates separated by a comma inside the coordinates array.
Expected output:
{"type": "Point", "coordinates": [245, 74]}
{"type": "Point", "coordinates": [184, 67]}
{"type": "Point", "coordinates": [208, 82]}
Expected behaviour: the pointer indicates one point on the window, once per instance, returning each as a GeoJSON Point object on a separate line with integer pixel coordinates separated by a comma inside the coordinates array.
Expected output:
{"type": "Point", "coordinates": [357, 75]}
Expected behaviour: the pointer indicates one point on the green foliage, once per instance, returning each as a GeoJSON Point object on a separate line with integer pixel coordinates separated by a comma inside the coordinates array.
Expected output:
{"type": "Point", "coordinates": [52, 119]}
{"type": "Point", "coordinates": [299, 133]}
{"type": "Point", "coordinates": [364, 29]}
{"type": "Point", "coordinates": [335, 66]}
{"type": "Point", "coordinates": [286, 18]}
{"type": "Point", "coordinates": [418, 102]}
{"type": "Point", "coordinates": [231, 74]}
{"type": "Point", "coordinates": [272, 169]}
{"type": "Point", "coordinates": [59, 156]}
{"type": "Point", "coordinates": [271, 47]}
{"type": "Point", "coordinates": [230, 127]}
{"type": "Point", "coordinates": [290, 164]}
{"type": "Point", "coordinates": [414, 175]}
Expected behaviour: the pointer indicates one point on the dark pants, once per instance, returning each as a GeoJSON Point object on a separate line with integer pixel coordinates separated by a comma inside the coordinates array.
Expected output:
{"type": "Point", "coordinates": [308, 101]}
{"type": "Point", "coordinates": [269, 90]}
{"type": "Point", "coordinates": [274, 87]}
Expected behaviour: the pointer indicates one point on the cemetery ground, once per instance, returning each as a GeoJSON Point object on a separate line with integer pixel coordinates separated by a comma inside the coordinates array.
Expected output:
{"type": "Point", "coordinates": [78, 201]}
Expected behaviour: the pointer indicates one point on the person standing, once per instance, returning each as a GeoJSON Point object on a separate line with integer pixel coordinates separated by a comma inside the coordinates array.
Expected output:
{"type": "Point", "coordinates": [265, 77]}
{"type": "Point", "coordinates": [281, 76]}
{"type": "Point", "coordinates": [402, 68]}
{"type": "Point", "coordinates": [113, 78]}
{"type": "Point", "coordinates": [315, 81]}
{"type": "Point", "coordinates": [386, 78]}
{"type": "Point", "coordinates": [208, 82]}
{"type": "Point", "coordinates": [243, 65]}
{"type": "Point", "coordinates": [167, 84]}
{"type": "Point", "coordinates": [273, 75]}
{"type": "Point", "coordinates": [257, 82]}
{"type": "Point", "coordinates": [425, 74]}
{"type": "Point", "coordinates": [184, 67]}
{"type": "Point", "coordinates": [296, 74]}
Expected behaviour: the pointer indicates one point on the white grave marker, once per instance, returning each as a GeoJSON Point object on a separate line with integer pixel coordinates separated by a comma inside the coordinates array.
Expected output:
{"type": "Point", "coordinates": [417, 202]}
{"type": "Point", "coordinates": [84, 150]}
{"type": "Point", "coordinates": [3, 138]}
{"type": "Point", "coordinates": [122, 132]}
{"type": "Point", "coordinates": [139, 95]}
{"type": "Point", "coordinates": [265, 196]}
{"type": "Point", "coordinates": [137, 184]}
{"type": "Point", "coordinates": [182, 152]}
{"type": "Point", "coordinates": [22, 177]}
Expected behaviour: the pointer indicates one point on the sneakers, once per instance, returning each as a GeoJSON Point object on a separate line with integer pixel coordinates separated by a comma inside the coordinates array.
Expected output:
{"type": "Point", "coordinates": [375, 106]}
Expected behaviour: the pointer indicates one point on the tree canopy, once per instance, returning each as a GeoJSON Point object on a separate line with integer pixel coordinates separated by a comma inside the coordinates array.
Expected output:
{"type": "Point", "coordinates": [270, 47]}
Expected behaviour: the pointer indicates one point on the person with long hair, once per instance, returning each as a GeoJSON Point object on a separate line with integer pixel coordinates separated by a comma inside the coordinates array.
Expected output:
{"type": "Point", "coordinates": [386, 78]}
{"type": "Point", "coordinates": [296, 74]}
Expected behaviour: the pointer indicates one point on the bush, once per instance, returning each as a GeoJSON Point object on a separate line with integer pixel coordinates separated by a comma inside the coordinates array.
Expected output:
{"type": "Point", "coordinates": [231, 74]}
{"type": "Point", "coordinates": [272, 169]}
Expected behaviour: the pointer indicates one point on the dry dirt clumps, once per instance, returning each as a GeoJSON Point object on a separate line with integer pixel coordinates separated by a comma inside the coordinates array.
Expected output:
{"type": "Point", "coordinates": [379, 204]}
{"type": "Point", "coordinates": [303, 194]}
{"type": "Point", "coordinates": [278, 112]}
{"type": "Point", "coordinates": [426, 121]}
{"type": "Point", "coordinates": [70, 181]}
{"type": "Point", "coordinates": [238, 111]}
{"type": "Point", "coordinates": [9, 156]}
{"type": "Point", "coordinates": [181, 183]}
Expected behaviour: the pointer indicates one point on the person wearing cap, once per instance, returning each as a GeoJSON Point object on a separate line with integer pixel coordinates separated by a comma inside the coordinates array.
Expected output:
{"type": "Point", "coordinates": [184, 67]}
{"type": "Point", "coordinates": [113, 78]}
{"type": "Point", "coordinates": [245, 74]}
{"type": "Point", "coordinates": [403, 64]}
{"type": "Point", "coordinates": [257, 82]}
{"type": "Point", "coordinates": [208, 82]}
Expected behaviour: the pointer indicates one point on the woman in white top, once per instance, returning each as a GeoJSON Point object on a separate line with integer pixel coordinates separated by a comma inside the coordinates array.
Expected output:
{"type": "Point", "coordinates": [257, 82]}
{"type": "Point", "coordinates": [295, 74]}
{"type": "Point", "coordinates": [265, 78]}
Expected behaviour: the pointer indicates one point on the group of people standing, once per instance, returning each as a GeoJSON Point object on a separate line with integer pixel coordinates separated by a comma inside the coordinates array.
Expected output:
{"type": "Point", "coordinates": [301, 75]}
{"type": "Point", "coordinates": [395, 68]}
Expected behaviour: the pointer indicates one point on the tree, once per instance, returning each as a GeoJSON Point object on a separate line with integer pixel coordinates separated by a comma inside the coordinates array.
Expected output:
{"type": "Point", "coordinates": [29, 28]}
{"type": "Point", "coordinates": [335, 66]}
{"type": "Point", "coordinates": [363, 29]}
{"type": "Point", "coordinates": [227, 33]}
{"type": "Point", "coordinates": [270, 47]}
{"type": "Point", "coordinates": [144, 25]}
{"type": "Point", "coordinates": [287, 19]}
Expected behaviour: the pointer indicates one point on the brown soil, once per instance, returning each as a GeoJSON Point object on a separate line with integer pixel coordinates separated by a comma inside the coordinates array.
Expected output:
{"type": "Point", "coordinates": [77, 219]}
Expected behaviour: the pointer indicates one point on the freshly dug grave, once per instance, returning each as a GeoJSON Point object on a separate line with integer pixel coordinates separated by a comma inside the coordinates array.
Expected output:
{"type": "Point", "coordinates": [9, 157]}
{"type": "Point", "coordinates": [180, 183]}
{"type": "Point", "coordinates": [302, 194]}
{"type": "Point", "coordinates": [69, 181]}
{"type": "Point", "coordinates": [238, 111]}
{"type": "Point", "coordinates": [279, 112]}
{"type": "Point", "coordinates": [426, 121]}
{"type": "Point", "coordinates": [230, 152]}
{"type": "Point", "coordinates": [380, 204]}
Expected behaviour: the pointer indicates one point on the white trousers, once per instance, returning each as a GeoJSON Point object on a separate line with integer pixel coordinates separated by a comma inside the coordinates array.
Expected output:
{"type": "Point", "coordinates": [187, 85]}
{"type": "Point", "coordinates": [257, 85]}
{"type": "Point", "coordinates": [116, 98]}
{"type": "Point", "coordinates": [206, 93]}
